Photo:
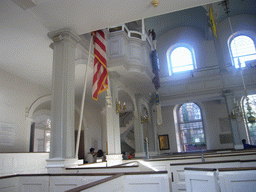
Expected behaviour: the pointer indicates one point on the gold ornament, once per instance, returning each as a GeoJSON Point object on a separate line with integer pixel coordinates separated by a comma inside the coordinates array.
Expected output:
{"type": "Point", "coordinates": [155, 3]}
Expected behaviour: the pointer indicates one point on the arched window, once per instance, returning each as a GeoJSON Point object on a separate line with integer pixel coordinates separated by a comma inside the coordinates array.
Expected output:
{"type": "Point", "coordinates": [40, 134]}
{"type": "Point", "coordinates": [191, 129]}
{"type": "Point", "coordinates": [180, 59]}
{"type": "Point", "coordinates": [242, 47]}
{"type": "Point", "coordinates": [251, 128]}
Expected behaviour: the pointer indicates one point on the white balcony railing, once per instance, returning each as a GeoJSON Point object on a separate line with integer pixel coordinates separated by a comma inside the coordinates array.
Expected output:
{"type": "Point", "coordinates": [132, 34]}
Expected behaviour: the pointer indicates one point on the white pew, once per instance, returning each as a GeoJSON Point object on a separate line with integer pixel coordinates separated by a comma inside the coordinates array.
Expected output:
{"type": "Point", "coordinates": [223, 179]}
{"type": "Point", "coordinates": [237, 179]}
{"type": "Point", "coordinates": [177, 173]}
{"type": "Point", "coordinates": [201, 180]}
{"type": "Point", "coordinates": [12, 163]}
{"type": "Point", "coordinates": [118, 182]}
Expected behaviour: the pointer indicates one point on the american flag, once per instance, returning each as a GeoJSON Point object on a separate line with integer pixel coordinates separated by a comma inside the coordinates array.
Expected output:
{"type": "Point", "coordinates": [100, 72]}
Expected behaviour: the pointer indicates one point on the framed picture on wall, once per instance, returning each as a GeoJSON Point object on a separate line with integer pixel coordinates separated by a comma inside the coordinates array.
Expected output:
{"type": "Point", "coordinates": [163, 142]}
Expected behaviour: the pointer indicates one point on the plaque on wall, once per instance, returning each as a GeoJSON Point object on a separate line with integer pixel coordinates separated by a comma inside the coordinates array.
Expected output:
{"type": "Point", "coordinates": [7, 134]}
{"type": "Point", "coordinates": [224, 124]}
{"type": "Point", "coordinates": [225, 138]}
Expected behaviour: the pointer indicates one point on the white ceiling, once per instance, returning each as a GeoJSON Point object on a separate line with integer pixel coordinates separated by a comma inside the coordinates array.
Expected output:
{"type": "Point", "coordinates": [24, 44]}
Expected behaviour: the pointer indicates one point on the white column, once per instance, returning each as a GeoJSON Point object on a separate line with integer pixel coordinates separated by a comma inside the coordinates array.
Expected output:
{"type": "Point", "coordinates": [62, 151]}
{"type": "Point", "coordinates": [114, 156]}
{"type": "Point", "coordinates": [237, 140]}
{"type": "Point", "coordinates": [143, 30]}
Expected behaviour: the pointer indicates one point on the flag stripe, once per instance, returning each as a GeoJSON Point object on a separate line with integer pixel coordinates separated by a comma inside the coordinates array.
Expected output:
{"type": "Point", "coordinates": [100, 82]}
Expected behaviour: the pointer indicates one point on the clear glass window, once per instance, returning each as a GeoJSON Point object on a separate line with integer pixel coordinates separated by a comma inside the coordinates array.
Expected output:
{"type": "Point", "coordinates": [251, 128]}
{"type": "Point", "coordinates": [191, 127]}
{"type": "Point", "coordinates": [242, 49]}
{"type": "Point", "coordinates": [180, 59]}
{"type": "Point", "coordinates": [42, 133]}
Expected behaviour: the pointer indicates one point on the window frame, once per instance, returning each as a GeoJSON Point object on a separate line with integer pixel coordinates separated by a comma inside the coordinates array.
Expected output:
{"type": "Point", "coordinates": [169, 62]}
{"type": "Point", "coordinates": [249, 34]}
{"type": "Point", "coordinates": [181, 142]}
{"type": "Point", "coordinates": [243, 101]}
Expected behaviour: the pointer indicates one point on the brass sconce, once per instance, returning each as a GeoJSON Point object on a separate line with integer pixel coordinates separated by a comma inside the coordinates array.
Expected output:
{"type": "Point", "coordinates": [144, 118]}
{"type": "Point", "coordinates": [119, 107]}
{"type": "Point", "coordinates": [155, 3]}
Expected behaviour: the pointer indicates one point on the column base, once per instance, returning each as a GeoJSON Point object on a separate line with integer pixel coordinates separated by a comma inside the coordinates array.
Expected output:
{"type": "Point", "coordinates": [153, 153]}
{"type": "Point", "coordinates": [114, 159]}
{"type": "Point", "coordinates": [140, 155]}
{"type": "Point", "coordinates": [57, 165]}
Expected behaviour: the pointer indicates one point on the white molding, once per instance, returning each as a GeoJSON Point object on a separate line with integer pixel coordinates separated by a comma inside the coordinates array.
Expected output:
{"type": "Point", "coordinates": [114, 159]}
{"type": "Point", "coordinates": [141, 154]}
{"type": "Point", "coordinates": [58, 164]}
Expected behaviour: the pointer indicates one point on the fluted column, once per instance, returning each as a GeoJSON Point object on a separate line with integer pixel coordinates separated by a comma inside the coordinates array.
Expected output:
{"type": "Point", "coordinates": [114, 156]}
{"type": "Point", "coordinates": [63, 98]}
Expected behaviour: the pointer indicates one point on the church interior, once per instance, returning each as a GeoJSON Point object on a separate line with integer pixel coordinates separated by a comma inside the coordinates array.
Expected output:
{"type": "Point", "coordinates": [181, 95]}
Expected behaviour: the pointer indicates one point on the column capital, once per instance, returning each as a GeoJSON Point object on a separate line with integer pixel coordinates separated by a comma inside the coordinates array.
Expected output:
{"type": "Point", "coordinates": [228, 93]}
{"type": "Point", "coordinates": [65, 33]}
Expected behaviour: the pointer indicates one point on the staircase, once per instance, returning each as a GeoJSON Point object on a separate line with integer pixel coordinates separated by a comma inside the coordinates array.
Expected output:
{"type": "Point", "coordinates": [126, 130]}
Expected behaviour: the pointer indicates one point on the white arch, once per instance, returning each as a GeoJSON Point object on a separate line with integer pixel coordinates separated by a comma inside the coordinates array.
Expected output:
{"type": "Point", "coordinates": [31, 111]}
{"type": "Point", "coordinates": [36, 103]}
{"type": "Point", "coordinates": [132, 96]}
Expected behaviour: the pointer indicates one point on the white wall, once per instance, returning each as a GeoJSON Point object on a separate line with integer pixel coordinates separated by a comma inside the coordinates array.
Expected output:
{"type": "Point", "coordinates": [93, 127]}
{"type": "Point", "coordinates": [168, 128]}
{"type": "Point", "coordinates": [204, 49]}
{"type": "Point", "coordinates": [17, 94]}
{"type": "Point", "coordinates": [211, 112]}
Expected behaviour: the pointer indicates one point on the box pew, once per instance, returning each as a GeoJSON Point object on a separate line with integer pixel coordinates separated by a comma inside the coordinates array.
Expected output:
{"type": "Point", "coordinates": [47, 182]}
{"type": "Point", "coordinates": [177, 174]}
{"type": "Point", "coordinates": [237, 179]}
{"type": "Point", "coordinates": [201, 180]}
{"type": "Point", "coordinates": [223, 179]}
{"type": "Point", "coordinates": [162, 164]}
{"type": "Point", "coordinates": [12, 163]}
{"type": "Point", "coordinates": [126, 181]}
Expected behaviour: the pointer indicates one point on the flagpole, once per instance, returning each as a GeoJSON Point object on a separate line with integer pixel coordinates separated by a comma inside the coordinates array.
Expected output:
{"type": "Point", "coordinates": [83, 99]}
